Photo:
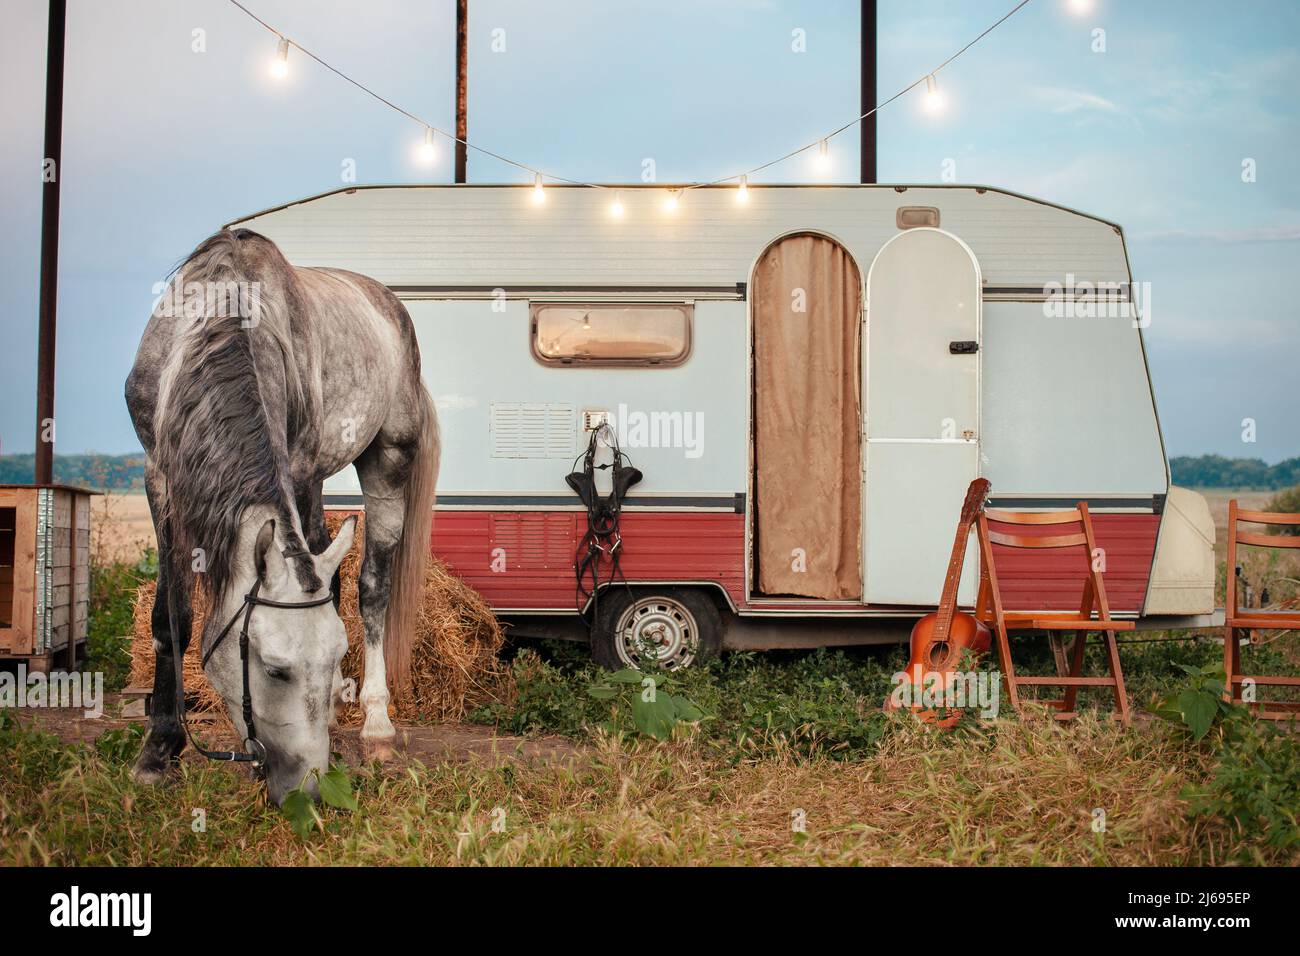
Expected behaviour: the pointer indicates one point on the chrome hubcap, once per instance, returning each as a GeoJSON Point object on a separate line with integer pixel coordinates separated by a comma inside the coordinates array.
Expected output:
{"type": "Point", "coordinates": [657, 632]}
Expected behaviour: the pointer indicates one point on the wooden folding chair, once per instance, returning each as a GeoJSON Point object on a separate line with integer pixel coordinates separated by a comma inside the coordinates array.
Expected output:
{"type": "Point", "coordinates": [1239, 621]}
{"type": "Point", "coordinates": [1042, 532]}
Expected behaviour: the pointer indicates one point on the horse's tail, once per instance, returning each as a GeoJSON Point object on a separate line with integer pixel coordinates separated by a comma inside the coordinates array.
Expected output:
{"type": "Point", "coordinates": [406, 597]}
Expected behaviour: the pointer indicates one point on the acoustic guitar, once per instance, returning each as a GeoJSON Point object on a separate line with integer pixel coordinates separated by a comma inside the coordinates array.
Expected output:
{"type": "Point", "coordinates": [940, 639]}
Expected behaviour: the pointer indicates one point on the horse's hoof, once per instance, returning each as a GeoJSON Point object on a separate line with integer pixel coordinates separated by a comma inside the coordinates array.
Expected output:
{"type": "Point", "coordinates": [149, 774]}
{"type": "Point", "coordinates": [377, 748]}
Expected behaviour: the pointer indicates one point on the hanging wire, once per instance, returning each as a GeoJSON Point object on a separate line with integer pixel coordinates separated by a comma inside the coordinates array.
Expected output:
{"type": "Point", "coordinates": [735, 177]}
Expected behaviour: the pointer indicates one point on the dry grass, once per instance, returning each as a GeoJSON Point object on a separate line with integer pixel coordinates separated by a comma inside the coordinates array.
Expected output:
{"type": "Point", "coordinates": [1007, 794]}
{"type": "Point", "coordinates": [454, 663]}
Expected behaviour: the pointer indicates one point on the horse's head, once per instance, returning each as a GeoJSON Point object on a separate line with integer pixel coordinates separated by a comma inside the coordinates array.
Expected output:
{"type": "Point", "coordinates": [293, 660]}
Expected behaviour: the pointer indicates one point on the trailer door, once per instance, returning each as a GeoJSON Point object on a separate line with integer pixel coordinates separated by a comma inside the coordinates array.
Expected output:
{"type": "Point", "coordinates": [807, 514]}
{"type": "Point", "coordinates": [921, 418]}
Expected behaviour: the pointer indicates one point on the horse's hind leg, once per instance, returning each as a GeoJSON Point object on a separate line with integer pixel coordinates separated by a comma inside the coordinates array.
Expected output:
{"type": "Point", "coordinates": [166, 738]}
{"type": "Point", "coordinates": [382, 486]}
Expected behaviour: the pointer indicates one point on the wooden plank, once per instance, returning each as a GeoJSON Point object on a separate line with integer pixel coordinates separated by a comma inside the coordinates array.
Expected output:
{"type": "Point", "coordinates": [75, 626]}
{"type": "Point", "coordinates": [22, 638]}
{"type": "Point", "coordinates": [62, 508]}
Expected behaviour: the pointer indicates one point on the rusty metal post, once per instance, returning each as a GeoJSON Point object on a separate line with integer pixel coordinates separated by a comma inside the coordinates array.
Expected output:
{"type": "Point", "coordinates": [462, 99]}
{"type": "Point", "coordinates": [51, 173]}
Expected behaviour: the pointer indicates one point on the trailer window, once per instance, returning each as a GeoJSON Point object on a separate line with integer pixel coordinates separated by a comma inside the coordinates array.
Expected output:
{"type": "Point", "coordinates": [610, 334]}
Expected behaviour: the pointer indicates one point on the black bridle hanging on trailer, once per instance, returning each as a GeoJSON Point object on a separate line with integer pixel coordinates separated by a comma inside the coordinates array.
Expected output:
{"type": "Point", "coordinates": [603, 512]}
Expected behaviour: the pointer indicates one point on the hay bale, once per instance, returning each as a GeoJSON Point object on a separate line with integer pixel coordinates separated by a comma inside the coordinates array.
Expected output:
{"type": "Point", "coordinates": [454, 658]}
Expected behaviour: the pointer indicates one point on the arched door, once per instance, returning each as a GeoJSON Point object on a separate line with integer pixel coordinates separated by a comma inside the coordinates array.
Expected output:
{"type": "Point", "coordinates": [921, 352]}
{"type": "Point", "coordinates": [807, 516]}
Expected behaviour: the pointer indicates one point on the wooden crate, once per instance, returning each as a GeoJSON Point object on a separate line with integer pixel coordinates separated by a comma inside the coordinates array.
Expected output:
{"type": "Point", "coordinates": [44, 572]}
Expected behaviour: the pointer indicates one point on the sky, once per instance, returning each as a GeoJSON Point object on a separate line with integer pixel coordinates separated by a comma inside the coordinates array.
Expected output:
{"type": "Point", "coordinates": [1150, 123]}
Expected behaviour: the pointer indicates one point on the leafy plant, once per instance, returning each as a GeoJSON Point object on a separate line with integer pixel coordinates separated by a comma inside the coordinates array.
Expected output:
{"type": "Point", "coordinates": [1199, 705]}
{"type": "Point", "coordinates": [112, 616]}
{"type": "Point", "coordinates": [335, 786]}
{"type": "Point", "coordinates": [655, 712]}
{"type": "Point", "coordinates": [121, 744]}
{"type": "Point", "coordinates": [1256, 783]}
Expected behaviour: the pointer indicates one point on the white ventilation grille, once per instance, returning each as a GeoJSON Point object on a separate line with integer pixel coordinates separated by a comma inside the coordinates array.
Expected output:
{"type": "Point", "coordinates": [532, 430]}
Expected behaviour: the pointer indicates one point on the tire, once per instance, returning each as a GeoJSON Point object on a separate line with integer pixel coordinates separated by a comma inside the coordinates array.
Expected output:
{"type": "Point", "coordinates": [681, 624]}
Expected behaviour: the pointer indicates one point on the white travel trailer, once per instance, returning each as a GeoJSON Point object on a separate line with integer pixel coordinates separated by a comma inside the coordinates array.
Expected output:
{"type": "Point", "coordinates": [808, 377]}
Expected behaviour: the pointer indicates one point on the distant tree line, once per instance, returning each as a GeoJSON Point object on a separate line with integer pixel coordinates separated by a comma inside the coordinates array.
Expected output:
{"type": "Point", "coordinates": [1215, 471]}
{"type": "Point", "coordinates": [100, 472]}
{"type": "Point", "coordinates": [126, 472]}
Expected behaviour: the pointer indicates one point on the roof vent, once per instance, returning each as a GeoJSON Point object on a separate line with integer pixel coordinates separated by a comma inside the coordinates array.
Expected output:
{"type": "Point", "coordinates": [912, 217]}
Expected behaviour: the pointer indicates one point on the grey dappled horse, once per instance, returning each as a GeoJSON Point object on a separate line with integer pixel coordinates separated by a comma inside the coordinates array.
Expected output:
{"type": "Point", "coordinates": [254, 381]}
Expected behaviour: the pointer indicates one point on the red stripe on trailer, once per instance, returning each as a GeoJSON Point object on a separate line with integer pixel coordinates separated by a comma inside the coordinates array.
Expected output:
{"type": "Point", "coordinates": [1047, 580]}
{"type": "Point", "coordinates": [523, 560]}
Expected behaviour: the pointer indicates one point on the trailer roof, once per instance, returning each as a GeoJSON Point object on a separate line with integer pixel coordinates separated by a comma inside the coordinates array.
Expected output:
{"type": "Point", "coordinates": [442, 235]}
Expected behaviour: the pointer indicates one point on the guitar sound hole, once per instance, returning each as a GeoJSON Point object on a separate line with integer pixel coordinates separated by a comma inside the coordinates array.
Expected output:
{"type": "Point", "coordinates": [939, 651]}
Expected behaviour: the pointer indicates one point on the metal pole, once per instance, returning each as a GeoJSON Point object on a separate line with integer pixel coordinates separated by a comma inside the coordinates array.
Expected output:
{"type": "Point", "coordinates": [868, 91]}
{"type": "Point", "coordinates": [51, 173]}
{"type": "Point", "coordinates": [462, 101]}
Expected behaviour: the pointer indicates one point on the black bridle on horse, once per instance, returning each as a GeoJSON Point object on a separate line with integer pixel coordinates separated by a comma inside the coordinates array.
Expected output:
{"type": "Point", "coordinates": [255, 751]}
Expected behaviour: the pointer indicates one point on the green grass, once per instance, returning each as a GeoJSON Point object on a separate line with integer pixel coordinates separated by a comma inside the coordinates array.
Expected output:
{"type": "Point", "coordinates": [1009, 793]}
{"type": "Point", "coordinates": [789, 736]}
{"type": "Point", "coordinates": [111, 616]}
{"type": "Point", "coordinates": [792, 737]}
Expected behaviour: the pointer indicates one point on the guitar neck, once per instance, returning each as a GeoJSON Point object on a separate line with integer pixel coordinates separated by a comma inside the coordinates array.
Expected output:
{"type": "Point", "coordinates": [948, 599]}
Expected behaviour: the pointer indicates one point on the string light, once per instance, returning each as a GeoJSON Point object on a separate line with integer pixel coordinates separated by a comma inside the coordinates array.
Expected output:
{"type": "Point", "coordinates": [1080, 7]}
{"type": "Point", "coordinates": [824, 155]}
{"type": "Point", "coordinates": [428, 151]}
{"type": "Point", "coordinates": [933, 98]}
{"type": "Point", "coordinates": [280, 69]}
{"type": "Point", "coordinates": [280, 65]}
{"type": "Point", "coordinates": [616, 207]}
{"type": "Point", "coordinates": [742, 191]}
{"type": "Point", "coordinates": [674, 197]}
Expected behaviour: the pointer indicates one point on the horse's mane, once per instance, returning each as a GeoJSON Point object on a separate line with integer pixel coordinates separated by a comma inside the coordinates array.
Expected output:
{"type": "Point", "coordinates": [228, 397]}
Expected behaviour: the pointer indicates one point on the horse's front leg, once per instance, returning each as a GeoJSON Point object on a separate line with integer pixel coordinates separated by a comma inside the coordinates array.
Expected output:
{"type": "Point", "coordinates": [383, 532]}
{"type": "Point", "coordinates": [166, 738]}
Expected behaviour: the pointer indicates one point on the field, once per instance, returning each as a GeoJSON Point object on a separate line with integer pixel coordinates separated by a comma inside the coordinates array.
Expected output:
{"type": "Point", "coordinates": [793, 763]}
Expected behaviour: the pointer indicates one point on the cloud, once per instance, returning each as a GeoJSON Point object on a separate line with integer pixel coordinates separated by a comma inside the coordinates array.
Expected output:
{"type": "Point", "coordinates": [1083, 106]}
{"type": "Point", "coordinates": [1059, 99]}
{"type": "Point", "coordinates": [1230, 236]}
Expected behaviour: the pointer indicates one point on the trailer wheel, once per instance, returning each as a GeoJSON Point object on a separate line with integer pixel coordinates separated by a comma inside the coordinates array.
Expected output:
{"type": "Point", "coordinates": [671, 629]}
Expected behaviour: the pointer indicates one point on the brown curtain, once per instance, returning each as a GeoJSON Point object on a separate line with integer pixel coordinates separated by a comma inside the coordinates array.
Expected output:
{"type": "Point", "coordinates": [807, 420]}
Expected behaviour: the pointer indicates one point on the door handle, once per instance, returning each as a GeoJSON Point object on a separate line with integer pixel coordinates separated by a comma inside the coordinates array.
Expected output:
{"type": "Point", "coordinates": [963, 348]}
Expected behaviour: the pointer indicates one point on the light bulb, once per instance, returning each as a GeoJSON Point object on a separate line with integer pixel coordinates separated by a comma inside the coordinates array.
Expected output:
{"type": "Point", "coordinates": [539, 191]}
{"type": "Point", "coordinates": [933, 97]}
{"type": "Point", "coordinates": [616, 207]}
{"type": "Point", "coordinates": [428, 151]}
{"type": "Point", "coordinates": [742, 191]}
{"type": "Point", "coordinates": [280, 65]}
{"type": "Point", "coordinates": [1080, 7]}
{"type": "Point", "coordinates": [824, 155]}
{"type": "Point", "coordinates": [670, 204]}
